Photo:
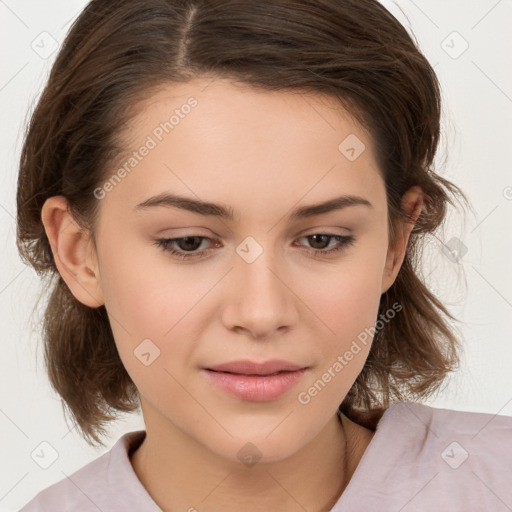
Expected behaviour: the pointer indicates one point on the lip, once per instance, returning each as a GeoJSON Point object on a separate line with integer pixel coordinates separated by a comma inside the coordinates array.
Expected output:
{"type": "Point", "coordinates": [256, 382]}
{"type": "Point", "coordinates": [247, 367]}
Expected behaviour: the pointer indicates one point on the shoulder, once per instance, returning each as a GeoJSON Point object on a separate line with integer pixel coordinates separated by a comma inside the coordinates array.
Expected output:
{"type": "Point", "coordinates": [483, 433]}
{"type": "Point", "coordinates": [447, 438]}
{"type": "Point", "coordinates": [72, 492]}
{"type": "Point", "coordinates": [424, 458]}
{"type": "Point", "coordinates": [94, 486]}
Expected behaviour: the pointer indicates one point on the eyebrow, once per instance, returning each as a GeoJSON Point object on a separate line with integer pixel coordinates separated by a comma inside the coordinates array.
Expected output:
{"type": "Point", "coordinates": [225, 212]}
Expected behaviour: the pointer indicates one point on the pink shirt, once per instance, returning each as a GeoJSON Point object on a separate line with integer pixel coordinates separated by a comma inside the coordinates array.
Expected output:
{"type": "Point", "coordinates": [420, 459]}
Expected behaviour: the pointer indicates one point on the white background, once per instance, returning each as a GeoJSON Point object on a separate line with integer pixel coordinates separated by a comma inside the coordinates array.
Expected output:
{"type": "Point", "coordinates": [477, 139]}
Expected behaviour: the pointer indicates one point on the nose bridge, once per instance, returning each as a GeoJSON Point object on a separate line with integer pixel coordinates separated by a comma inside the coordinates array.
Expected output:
{"type": "Point", "coordinates": [261, 302]}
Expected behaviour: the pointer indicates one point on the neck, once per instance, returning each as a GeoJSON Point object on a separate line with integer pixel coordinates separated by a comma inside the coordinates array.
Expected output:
{"type": "Point", "coordinates": [181, 474]}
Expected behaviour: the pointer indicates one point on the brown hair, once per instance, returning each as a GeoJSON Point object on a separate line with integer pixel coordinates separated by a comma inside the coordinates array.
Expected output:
{"type": "Point", "coordinates": [118, 52]}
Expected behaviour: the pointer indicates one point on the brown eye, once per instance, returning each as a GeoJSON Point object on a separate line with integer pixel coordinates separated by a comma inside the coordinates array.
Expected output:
{"type": "Point", "coordinates": [188, 244]}
{"type": "Point", "coordinates": [319, 241]}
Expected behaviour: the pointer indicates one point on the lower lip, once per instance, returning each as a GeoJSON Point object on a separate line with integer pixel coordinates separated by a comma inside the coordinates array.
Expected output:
{"type": "Point", "coordinates": [256, 388]}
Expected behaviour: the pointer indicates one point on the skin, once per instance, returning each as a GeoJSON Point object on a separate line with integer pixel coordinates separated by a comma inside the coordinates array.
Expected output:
{"type": "Point", "coordinates": [263, 154]}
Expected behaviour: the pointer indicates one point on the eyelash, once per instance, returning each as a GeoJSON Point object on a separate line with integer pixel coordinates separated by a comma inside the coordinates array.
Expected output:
{"type": "Point", "coordinates": [165, 243]}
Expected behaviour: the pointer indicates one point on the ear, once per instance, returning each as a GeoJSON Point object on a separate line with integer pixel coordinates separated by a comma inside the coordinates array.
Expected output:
{"type": "Point", "coordinates": [73, 251]}
{"type": "Point", "coordinates": [412, 203]}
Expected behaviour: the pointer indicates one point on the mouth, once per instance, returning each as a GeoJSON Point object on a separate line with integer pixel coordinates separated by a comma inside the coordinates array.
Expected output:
{"type": "Point", "coordinates": [255, 382]}
{"type": "Point", "coordinates": [266, 368]}
{"type": "Point", "coordinates": [254, 374]}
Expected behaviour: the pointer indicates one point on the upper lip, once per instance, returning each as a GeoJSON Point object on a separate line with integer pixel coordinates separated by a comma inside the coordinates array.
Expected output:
{"type": "Point", "coordinates": [246, 367]}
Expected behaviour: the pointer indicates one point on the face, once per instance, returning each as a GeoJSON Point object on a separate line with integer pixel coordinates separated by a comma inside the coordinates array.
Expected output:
{"type": "Point", "coordinates": [261, 284]}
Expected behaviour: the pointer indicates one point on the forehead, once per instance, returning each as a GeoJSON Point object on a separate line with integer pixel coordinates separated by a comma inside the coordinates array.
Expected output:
{"type": "Point", "coordinates": [229, 143]}
{"type": "Point", "coordinates": [216, 107]}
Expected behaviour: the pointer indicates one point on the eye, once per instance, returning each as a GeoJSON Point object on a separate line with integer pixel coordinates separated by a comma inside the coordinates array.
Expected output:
{"type": "Point", "coordinates": [189, 244]}
{"type": "Point", "coordinates": [321, 239]}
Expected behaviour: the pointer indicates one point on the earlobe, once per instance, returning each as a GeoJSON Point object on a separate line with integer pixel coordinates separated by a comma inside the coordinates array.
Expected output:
{"type": "Point", "coordinates": [412, 203]}
{"type": "Point", "coordinates": [70, 246]}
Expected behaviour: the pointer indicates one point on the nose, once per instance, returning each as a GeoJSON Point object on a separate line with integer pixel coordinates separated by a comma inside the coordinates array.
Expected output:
{"type": "Point", "coordinates": [260, 300]}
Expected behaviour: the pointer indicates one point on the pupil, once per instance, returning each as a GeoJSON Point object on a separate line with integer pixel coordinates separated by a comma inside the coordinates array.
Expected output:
{"type": "Point", "coordinates": [185, 242]}
{"type": "Point", "coordinates": [315, 237]}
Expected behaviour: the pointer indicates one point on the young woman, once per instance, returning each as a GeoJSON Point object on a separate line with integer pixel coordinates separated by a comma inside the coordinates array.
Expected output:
{"type": "Point", "coordinates": [232, 197]}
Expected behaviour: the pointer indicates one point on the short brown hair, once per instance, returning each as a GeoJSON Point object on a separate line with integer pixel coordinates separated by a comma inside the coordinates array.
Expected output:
{"type": "Point", "coordinates": [120, 51]}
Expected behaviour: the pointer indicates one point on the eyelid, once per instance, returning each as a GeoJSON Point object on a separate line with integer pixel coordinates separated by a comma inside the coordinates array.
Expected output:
{"type": "Point", "coordinates": [215, 238]}
{"type": "Point", "coordinates": [328, 230]}
{"type": "Point", "coordinates": [343, 243]}
{"type": "Point", "coordinates": [189, 231]}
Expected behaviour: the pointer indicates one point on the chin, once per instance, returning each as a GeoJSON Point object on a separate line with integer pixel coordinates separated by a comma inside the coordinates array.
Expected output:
{"type": "Point", "coordinates": [257, 445]}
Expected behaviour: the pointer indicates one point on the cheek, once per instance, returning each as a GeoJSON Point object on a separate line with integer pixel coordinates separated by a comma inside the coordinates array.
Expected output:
{"type": "Point", "coordinates": [346, 298]}
{"type": "Point", "coordinates": [346, 308]}
{"type": "Point", "coordinates": [158, 312]}
{"type": "Point", "coordinates": [144, 293]}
